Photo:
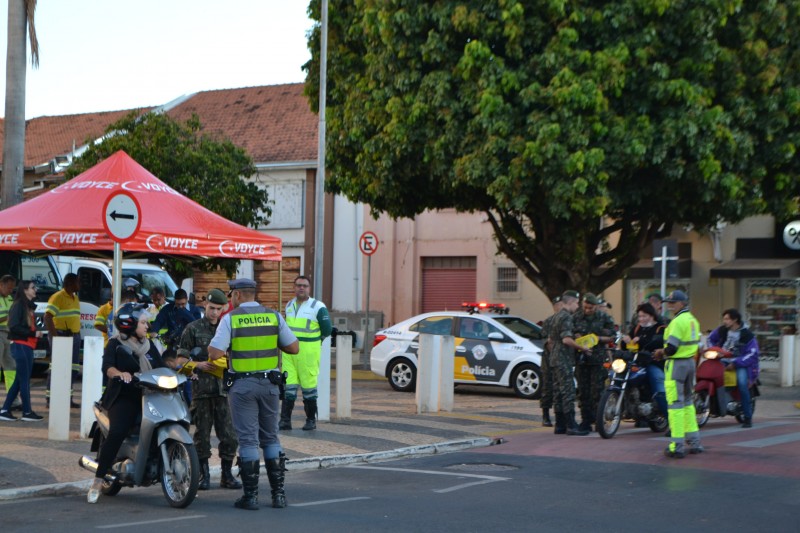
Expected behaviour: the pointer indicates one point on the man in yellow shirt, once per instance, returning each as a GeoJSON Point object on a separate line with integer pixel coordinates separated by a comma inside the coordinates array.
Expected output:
{"type": "Point", "coordinates": [7, 284]}
{"type": "Point", "coordinates": [104, 319]}
{"type": "Point", "coordinates": [63, 319]}
{"type": "Point", "coordinates": [101, 322]}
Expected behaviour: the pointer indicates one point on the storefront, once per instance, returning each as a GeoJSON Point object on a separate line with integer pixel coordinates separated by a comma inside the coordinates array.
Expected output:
{"type": "Point", "coordinates": [768, 279]}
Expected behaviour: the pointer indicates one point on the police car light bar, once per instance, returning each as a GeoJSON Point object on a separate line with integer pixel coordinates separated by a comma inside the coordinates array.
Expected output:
{"type": "Point", "coordinates": [477, 307]}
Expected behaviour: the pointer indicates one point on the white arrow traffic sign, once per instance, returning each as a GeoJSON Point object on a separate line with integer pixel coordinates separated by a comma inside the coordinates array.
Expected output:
{"type": "Point", "coordinates": [121, 216]}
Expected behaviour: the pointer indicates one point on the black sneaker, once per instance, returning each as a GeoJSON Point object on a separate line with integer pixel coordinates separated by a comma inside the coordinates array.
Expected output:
{"type": "Point", "coordinates": [31, 417]}
{"type": "Point", "coordinates": [5, 415]}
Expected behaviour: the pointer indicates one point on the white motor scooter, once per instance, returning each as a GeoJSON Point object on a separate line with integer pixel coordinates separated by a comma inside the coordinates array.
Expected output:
{"type": "Point", "coordinates": [161, 449]}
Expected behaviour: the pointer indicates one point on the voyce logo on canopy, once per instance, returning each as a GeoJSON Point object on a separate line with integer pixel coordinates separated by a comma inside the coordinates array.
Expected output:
{"type": "Point", "coordinates": [233, 249]}
{"type": "Point", "coordinates": [161, 243]}
{"type": "Point", "coordinates": [136, 186]}
{"type": "Point", "coordinates": [56, 240]}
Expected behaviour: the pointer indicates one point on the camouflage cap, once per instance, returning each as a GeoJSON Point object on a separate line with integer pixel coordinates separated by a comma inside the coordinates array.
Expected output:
{"type": "Point", "coordinates": [571, 294]}
{"type": "Point", "coordinates": [216, 296]}
{"type": "Point", "coordinates": [591, 298]}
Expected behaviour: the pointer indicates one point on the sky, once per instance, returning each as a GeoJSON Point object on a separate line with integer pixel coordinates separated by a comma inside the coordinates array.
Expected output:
{"type": "Point", "coordinates": [108, 55]}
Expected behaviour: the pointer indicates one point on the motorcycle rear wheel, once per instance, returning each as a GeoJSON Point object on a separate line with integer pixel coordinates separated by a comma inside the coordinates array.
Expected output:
{"type": "Point", "coordinates": [702, 407]}
{"type": "Point", "coordinates": [179, 483]}
{"type": "Point", "coordinates": [109, 488]}
{"type": "Point", "coordinates": [608, 416]}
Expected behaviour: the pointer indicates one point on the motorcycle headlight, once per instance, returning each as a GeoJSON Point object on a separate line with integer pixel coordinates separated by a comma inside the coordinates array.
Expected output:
{"type": "Point", "coordinates": [167, 382]}
{"type": "Point", "coordinates": [711, 354]}
{"type": "Point", "coordinates": [618, 366]}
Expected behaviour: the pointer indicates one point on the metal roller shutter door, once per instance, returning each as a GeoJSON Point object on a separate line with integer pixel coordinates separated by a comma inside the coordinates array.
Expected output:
{"type": "Point", "coordinates": [445, 289]}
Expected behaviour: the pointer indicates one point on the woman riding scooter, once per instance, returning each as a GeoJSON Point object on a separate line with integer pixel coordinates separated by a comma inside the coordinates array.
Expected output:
{"type": "Point", "coordinates": [648, 334]}
{"type": "Point", "coordinates": [735, 337]}
{"type": "Point", "coordinates": [123, 400]}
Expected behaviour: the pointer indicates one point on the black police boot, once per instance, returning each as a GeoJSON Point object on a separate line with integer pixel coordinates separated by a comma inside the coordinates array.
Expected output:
{"type": "Point", "coordinates": [205, 477]}
{"type": "Point", "coordinates": [586, 421]}
{"type": "Point", "coordinates": [561, 424]}
{"type": "Point", "coordinates": [286, 414]}
{"type": "Point", "coordinates": [311, 414]}
{"type": "Point", "coordinates": [226, 480]}
{"type": "Point", "coordinates": [546, 422]}
{"type": "Point", "coordinates": [572, 426]}
{"type": "Point", "coordinates": [249, 474]}
{"type": "Point", "coordinates": [276, 476]}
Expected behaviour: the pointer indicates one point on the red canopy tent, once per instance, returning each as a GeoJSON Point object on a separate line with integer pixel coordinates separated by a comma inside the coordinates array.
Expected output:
{"type": "Point", "coordinates": [70, 218]}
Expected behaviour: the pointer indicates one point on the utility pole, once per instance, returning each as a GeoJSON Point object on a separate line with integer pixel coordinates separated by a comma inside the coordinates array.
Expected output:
{"type": "Point", "coordinates": [319, 212]}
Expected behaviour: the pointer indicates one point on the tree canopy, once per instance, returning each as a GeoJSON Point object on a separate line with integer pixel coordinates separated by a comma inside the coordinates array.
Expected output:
{"type": "Point", "coordinates": [583, 130]}
{"type": "Point", "coordinates": [209, 171]}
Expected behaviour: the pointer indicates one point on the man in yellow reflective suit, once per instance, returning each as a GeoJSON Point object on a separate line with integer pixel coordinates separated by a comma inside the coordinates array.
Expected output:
{"type": "Point", "coordinates": [681, 342]}
{"type": "Point", "coordinates": [309, 321]}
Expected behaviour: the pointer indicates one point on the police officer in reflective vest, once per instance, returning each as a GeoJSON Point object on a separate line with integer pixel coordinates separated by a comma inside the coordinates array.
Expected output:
{"type": "Point", "coordinates": [681, 342]}
{"type": "Point", "coordinates": [255, 335]}
{"type": "Point", "coordinates": [309, 320]}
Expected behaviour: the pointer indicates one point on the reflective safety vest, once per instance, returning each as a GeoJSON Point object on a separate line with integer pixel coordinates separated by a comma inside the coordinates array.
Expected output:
{"type": "Point", "coordinates": [302, 320]}
{"type": "Point", "coordinates": [5, 305]}
{"type": "Point", "coordinates": [685, 329]}
{"type": "Point", "coordinates": [254, 339]}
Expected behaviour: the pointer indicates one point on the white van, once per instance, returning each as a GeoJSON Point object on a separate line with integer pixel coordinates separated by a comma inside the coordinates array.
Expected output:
{"type": "Point", "coordinates": [95, 278]}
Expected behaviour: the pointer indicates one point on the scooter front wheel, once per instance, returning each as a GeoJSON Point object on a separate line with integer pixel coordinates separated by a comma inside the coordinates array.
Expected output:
{"type": "Point", "coordinates": [702, 407]}
{"type": "Point", "coordinates": [609, 413]}
{"type": "Point", "coordinates": [181, 475]}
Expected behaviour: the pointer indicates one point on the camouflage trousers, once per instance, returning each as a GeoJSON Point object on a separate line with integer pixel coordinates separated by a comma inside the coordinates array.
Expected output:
{"type": "Point", "coordinates": [591, 384]}
{"type": "Point", "coordinates": [208, 412]}
{"type": "Point", "coordinates": [563, 385]}
{"type": "Point", "coordinates": [546, 399]}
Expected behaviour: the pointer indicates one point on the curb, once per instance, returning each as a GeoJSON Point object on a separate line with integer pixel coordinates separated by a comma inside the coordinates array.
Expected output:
{"type": "Point", "coordinates": [298, 465]}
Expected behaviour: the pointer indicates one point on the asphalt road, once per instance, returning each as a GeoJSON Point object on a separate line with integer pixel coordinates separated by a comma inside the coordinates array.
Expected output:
{"type": "Point", "coordinates": [465, 492]}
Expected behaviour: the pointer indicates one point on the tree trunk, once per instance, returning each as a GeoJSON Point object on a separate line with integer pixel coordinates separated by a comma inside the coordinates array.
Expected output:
{"type": "Point", "coordinates": [16, 70]}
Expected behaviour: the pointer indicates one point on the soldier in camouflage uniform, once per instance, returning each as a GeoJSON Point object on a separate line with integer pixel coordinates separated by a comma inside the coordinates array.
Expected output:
{"type": "Point", "coordinates": [546, 399]}
{"type": "Point", "coordinates": [589, 369]}
{"type": "Point", "coordinates": [562, 357]}
{"type": "Point", "coordinates": [209, 400]}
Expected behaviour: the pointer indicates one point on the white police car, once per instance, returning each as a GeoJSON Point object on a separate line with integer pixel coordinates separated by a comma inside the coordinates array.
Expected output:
{"type": "Point", "coordinates": [487, 352]}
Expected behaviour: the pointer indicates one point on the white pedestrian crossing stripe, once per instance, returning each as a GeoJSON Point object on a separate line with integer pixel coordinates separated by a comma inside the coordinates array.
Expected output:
{"type": "Point", "coordinates": [769, 441]}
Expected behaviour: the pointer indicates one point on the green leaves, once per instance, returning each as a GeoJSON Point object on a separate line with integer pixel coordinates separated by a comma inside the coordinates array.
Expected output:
{"type": "Point", "coordinates": [212, 172]}
{"type": "Point", "coordinates": [557, 114]}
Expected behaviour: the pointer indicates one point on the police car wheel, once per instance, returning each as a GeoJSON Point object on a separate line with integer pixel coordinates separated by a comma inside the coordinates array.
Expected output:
{"type": "Point", "coordinates": [402, 375]}
{"type": "Point", "coordinates": [527, 381]}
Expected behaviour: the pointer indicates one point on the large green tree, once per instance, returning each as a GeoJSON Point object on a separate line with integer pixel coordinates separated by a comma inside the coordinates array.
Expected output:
{"type": "Point", "coordinates": [210, 171]}
{"type": "Point", "coordinates": [582, 129]}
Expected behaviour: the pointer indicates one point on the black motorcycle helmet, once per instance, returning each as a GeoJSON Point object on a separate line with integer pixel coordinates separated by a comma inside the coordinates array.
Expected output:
{"type": "Point", "coordinates": [127, 317]}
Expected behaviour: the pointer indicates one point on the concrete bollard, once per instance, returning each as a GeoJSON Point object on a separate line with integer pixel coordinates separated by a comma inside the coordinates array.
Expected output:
{"type": "Point", "coordinates": [344, 376]}
{"type": "Point", "coordinates": [787, 360]}
{"type": "Point", "coordinates": [92, 382]}
{"type": "Point", "coordinates": [60, 384]}
{"type": "Point", "coordinates": [796, 359]}
{"type": "Point", "coordinates": [435, 373]}
{"type": "Point", "coordinates": [324, 382]}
